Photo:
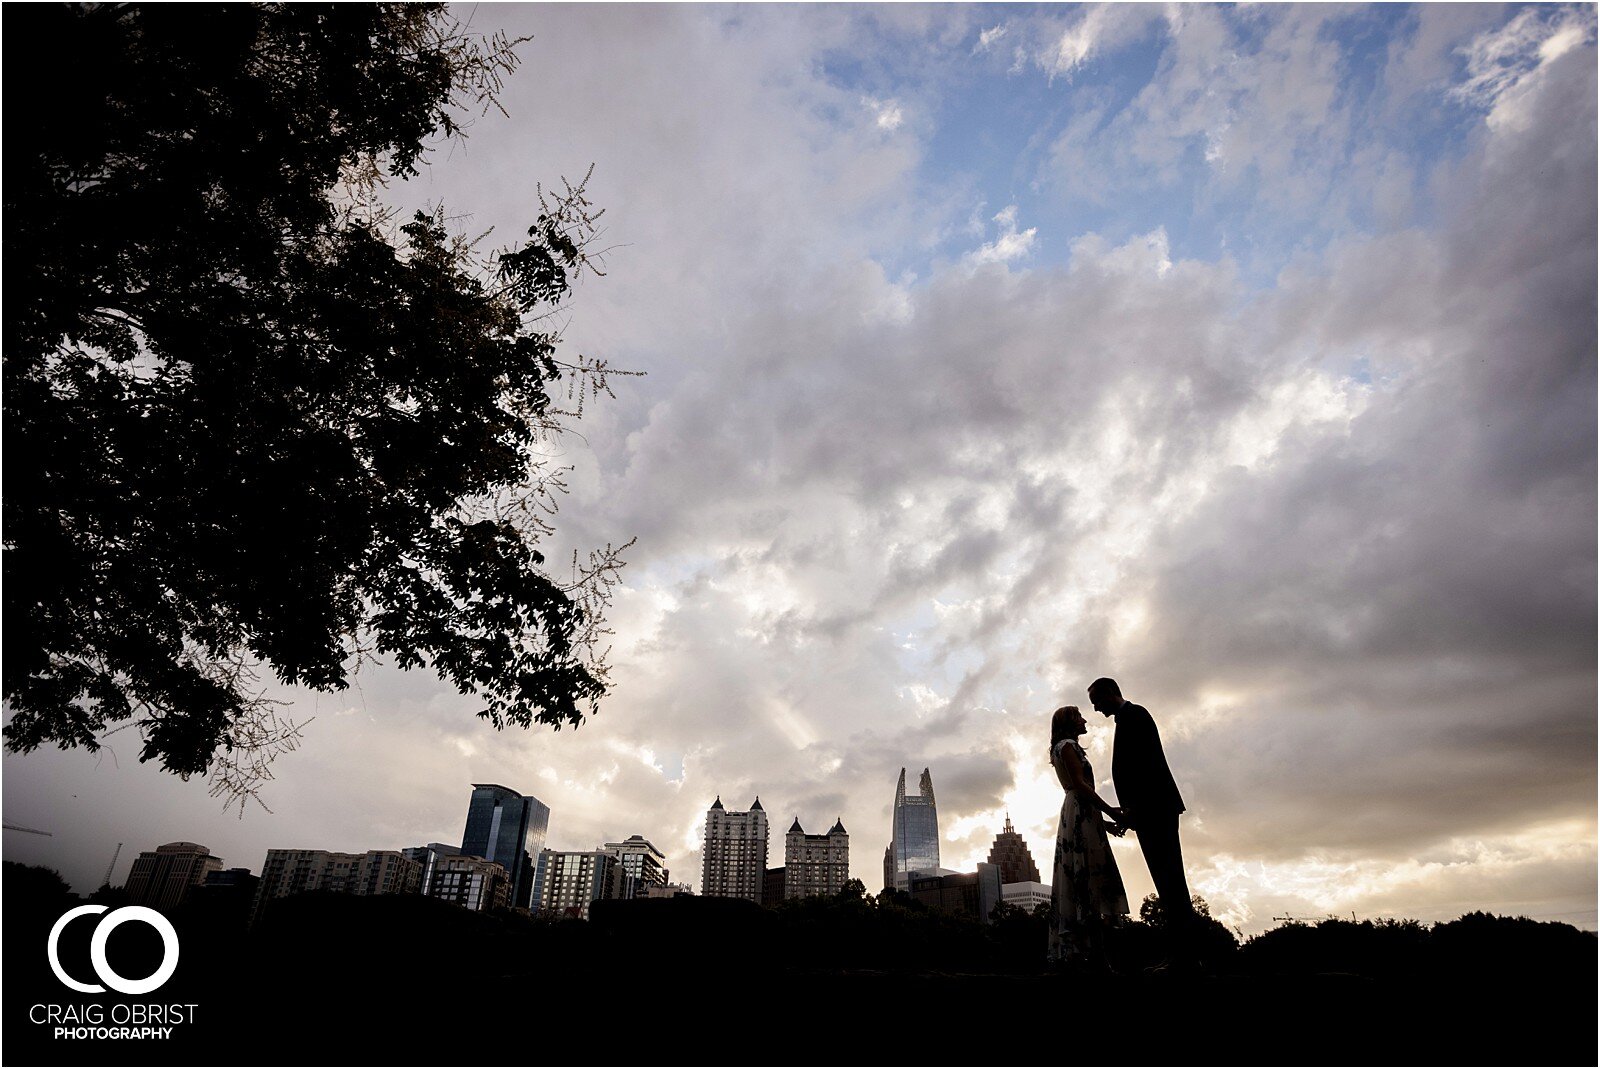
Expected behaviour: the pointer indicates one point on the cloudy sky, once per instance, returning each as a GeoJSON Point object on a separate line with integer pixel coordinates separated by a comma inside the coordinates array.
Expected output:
{"type": "Point", "coordinates": [1245, 355]}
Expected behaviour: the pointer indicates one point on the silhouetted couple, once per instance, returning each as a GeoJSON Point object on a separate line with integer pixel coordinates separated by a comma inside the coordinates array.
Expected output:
{"type": "Point", "coordinates": [1086, 894]}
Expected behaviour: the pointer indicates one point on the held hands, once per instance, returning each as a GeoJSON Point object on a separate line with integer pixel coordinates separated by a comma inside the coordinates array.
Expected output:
{"type": "Point", "coordinates": [1116, 829]}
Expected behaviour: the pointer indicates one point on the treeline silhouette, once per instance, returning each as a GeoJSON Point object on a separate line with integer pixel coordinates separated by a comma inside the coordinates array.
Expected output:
{"type": "Point", "coordinates": [424, 969]}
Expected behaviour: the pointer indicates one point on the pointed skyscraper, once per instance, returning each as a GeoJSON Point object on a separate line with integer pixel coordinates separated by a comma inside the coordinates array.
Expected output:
{"type": "Point", "coordinates": [915, 846]}
{"type": "Point", "coordinates": [1011, 853]}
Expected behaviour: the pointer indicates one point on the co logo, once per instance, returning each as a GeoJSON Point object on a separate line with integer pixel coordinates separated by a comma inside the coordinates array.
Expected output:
{"type": "Point", "coordinates": [97, 949]}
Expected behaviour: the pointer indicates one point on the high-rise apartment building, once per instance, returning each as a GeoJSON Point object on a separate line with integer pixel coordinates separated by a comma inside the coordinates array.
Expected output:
{"type": "Point", "coordinates": [161, 877]}
{"type": "Point", "coordinates": [734, 860]}
{"type": "Point", "coordinates": [815, 864]}
{"type": "Point", "coordinates": [387, 872]}
{"type": "Point", "coordinates": [914, 849]}
{"type": "Point", "coordinates": [507, 827]}
{"type": "Point", "coordinates": [569, 880]}
{"type": "Point", "coordinates": [291, 872]}
{"type": "Point", "coordinates": [377, 872]}
{"type": "Point", "coordinates": [641, 861]}
{"type": "Point", "coordinates": [1013, 857]}
{"type": "Point", "coordinates": [470, 882]}
{"type": "Point", "coordinates": [429, 856]}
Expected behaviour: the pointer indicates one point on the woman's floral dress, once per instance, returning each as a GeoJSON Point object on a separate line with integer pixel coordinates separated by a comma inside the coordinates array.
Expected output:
{"type": "Point", "coordinates": [1087, 889]}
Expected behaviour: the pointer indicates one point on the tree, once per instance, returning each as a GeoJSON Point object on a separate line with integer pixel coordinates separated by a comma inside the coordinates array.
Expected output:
{"type": "Point", "coordinates": [1151, 913]}
{"type": "Point", "coordinates": [35, 884]}
{"type": "Point", "coordinates": [853, 890]}
{"type": "Point", "coordinates": [1209, 939]}
{"type": "Point", "coordinates": [250, 421]}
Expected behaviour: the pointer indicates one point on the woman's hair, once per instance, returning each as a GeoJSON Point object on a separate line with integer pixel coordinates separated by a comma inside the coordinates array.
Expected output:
{"type": "Point", "coordinates": [1058, 724]}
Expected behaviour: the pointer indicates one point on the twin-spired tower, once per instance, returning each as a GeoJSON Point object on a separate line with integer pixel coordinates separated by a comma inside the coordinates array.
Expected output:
{"type": "Point", "coordinates": [914, 850]}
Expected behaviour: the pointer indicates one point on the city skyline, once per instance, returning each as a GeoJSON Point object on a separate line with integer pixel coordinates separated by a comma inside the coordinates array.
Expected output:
{"type": "Point", "coordinates": [634, 853]}
{"type": "Point", "coordinates": [1245, 355]}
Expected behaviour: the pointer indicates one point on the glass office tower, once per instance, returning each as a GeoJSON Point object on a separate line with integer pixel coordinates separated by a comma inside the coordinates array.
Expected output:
{"type": "Point", "coordinates": [915, 848]}
{"type": "Point", "coordinates": [507, 827]}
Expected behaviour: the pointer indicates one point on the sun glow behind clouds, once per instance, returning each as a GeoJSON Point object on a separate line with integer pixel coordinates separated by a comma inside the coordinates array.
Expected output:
{"type": "Point", "coordinates": [1032, 802]}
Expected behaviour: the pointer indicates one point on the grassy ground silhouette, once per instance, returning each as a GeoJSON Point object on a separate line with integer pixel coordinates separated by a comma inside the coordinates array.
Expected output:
{"type": "Point", "coordinates": [403, 979]}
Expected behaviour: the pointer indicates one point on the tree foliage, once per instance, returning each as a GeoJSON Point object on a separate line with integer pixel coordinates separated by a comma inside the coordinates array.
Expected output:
{"type": "Point", "coordinates": [1151, 912]}
{"type": "Point", "coordinates": [252, 422]}
{"type": "Point", "coordinates": [34, 887]}
{"type": "Point", "coordinates": [853, 890]}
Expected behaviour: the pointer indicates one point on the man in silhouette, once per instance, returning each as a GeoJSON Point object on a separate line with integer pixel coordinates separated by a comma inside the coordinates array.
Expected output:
{"type": "Point", "coordinates": [1150, 804]}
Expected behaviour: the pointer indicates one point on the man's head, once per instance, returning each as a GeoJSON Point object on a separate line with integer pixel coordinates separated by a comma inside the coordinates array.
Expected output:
{"type": "Point", "coordinates": [1105, 696]}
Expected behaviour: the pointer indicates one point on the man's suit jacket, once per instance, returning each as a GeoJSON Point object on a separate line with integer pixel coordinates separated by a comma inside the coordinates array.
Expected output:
{"type": "Point", "coordinates": [1139, 767]}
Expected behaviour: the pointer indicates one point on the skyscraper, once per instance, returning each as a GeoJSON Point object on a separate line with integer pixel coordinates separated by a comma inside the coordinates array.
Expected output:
{"type": "Point", "coordinates": [1013, 856]}
{"type": "Point", "coordinates": [915, 846]}
{"type": "Point", "coordinates": [734, 861]}
{"type": "Point", "coordinates": [507, 827]}
{"type": "Point", "coordinates": [163, 876]}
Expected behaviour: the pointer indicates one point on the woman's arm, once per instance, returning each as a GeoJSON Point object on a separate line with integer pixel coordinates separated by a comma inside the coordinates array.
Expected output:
{"type": "Point", "coordinates": [1080, 783]}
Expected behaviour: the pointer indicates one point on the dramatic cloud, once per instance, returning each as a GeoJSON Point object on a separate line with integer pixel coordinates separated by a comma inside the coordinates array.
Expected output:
{"type": "Point", "coordinates": [1280, 408]}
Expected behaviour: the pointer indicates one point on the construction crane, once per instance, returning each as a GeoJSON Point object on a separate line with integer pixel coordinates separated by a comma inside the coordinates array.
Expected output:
{"type": "Point", "coordinates": [1289, 918]}
{"type": "Point", "coordinates": [114, 855]}
{"type": "Point", "coordinates": [30, 831]}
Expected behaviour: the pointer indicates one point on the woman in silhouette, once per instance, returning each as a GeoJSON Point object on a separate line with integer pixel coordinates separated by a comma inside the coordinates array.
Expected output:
{"type": "Point", "coordinates": [1086, 891]}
